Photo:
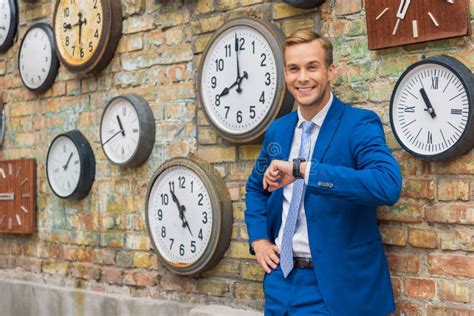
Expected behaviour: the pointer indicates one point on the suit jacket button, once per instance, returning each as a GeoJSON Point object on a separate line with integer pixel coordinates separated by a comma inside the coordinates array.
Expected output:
{"type": "Point", "coordinates": [320, 184]}
{"type": "Point", "coordinates": [331, 185]}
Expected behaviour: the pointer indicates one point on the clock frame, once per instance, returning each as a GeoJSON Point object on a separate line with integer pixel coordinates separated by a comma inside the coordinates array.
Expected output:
{"type": "Point", "coordinates": [446, 102]}
{"type": "Point", "coordinates": [214, 195]}
{"type": "Point", "coordinates": [282, 102]}
{"type": "Point", "coordinates": [12, 27]}
{"type": "Point", "coordinates": [52, 71]}
{"type": "Point", "coordinates": [18, 196]}
{"type": "Point", "coordinates": [393, 23]}
{"type": "Point", "coordinates": [85, 160]}
{"type": "Point", "coordinates": [96, 56]}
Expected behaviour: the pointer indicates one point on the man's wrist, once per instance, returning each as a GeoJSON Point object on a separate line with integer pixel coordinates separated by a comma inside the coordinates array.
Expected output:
{"type": "Point", "coordinates": [303, 166]}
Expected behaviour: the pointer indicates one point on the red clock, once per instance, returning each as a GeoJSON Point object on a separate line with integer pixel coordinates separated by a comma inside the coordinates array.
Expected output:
{"type": "Point", "coordinates": [18, 196]}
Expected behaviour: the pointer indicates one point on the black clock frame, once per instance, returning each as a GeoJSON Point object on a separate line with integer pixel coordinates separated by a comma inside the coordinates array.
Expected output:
{"type": "Point", "coordinates": [53, 69]}
{"type": "Point", "coordinates": [304, 4]}
{"type": "Point", "coordinates": [86, 160]}
{"type": "Point", "coordinates": [146, 131]}
{"type": "Point", "coordinates": [10, 38]}
{"type": "Point", "coordinates": [466, 141]}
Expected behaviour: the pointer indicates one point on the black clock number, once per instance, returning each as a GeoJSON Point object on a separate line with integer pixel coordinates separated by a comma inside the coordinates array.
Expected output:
{"type": "Point", "coordinates": [96, 34]}
{"type": "Point", "coordinates": [264, 58]}
{"type": "Point", "coordinates": [219, 64]}
{"type": "Point", "coordinates": [204, 220]}
{"type": "Point", "coordinates": [253, 47]}
{"type": "Point", "coordinates": [193, 246]}
{"type": "Point", "coordinates": [262, 97]}
{"type": "Point", "coordinates": [456, 111]}
{"type": "Point", "coordinates": [82, 52]}
{"type": "Point", "coordinates": [95, 4]}
{"type": "Point", "coordinates": [66, 12]}
{"type": "Point", "coordinates": [163, 231]}
{"type": "Point", "coordinates": [91, 48]}
{"type": "Point", "coordinates": [200, 196]}
{"type": "Point", "coordinates": [171, 244]}
{"type": "Point", "coordinates": [99, 19]}
{"type": "Point", "coordinates": [242, 43]}
{"type": "Point", "coordinates": [200, 234]}
{"type": "Point", "coordinates": [218, 100]}
{"type": "Point", "coordinates": [181, 250]}
{"type": "Point", "coordinates": [182, 181]}
{"type": "Point", "coordinates": [164, 199]}
{"type": "Point", "coordinates": [67, 40]}
{"type": "Point", "coordinates": [192, 186]}
{"type": "Point", "coordinates": [430, 138]}
{"type": "Point", "coordinates": [434, 83]}
{"type": "Point", "coordinates": [252, 111]}
{"type": "Point", "coordinates": [409, 109]}
{"type": "Point", "coordinates": [228, 50]}
{"type": "Point", "coordinates": [227, 108]}
{"type": "Point", "coordinates": [268, 81]}
{"type": "Point", "coordinates": [213, 82]}
{"type": "Point", "coordinates": [239, 117]}
{"type": "Point", "coordinates": [160, 214]}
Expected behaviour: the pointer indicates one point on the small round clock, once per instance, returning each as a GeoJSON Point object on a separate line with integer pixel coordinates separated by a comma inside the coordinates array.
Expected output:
{"type": "Point", "coordinates": [188, 216]}
{"type": "Point", "coordinates": [87, 33]}
{"type": "Point", "coordinates": [37, 59]}
{"type": "Point", "coordinates": [70, 165]}
{"type": "Point", "coordinates": [431, 109]}
{"type": "Point", "coordinates": [241, 81]}
{"type": "Point", "coordinates": [8, 23]}
{"type": "Point", "coordinates": [127, 130]}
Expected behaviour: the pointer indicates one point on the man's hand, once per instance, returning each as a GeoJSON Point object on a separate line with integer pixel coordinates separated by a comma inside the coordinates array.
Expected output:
{"type": "Point", "coordinates": [267, 254]}
{"type": "Point", "coordinates": [280, 174]}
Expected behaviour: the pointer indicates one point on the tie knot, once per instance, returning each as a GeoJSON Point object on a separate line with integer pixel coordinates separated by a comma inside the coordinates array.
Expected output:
{"type": "Point", "coordinates": [307, 127]}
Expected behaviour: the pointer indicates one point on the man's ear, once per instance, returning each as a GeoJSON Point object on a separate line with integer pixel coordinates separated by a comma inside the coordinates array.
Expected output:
{"type": "Point", "coordinates": [331, 72]}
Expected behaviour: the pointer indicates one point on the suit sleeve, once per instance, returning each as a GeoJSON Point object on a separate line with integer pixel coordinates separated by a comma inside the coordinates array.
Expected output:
{"type": "Point", "coordinates": [256, 197]}
{"type": "Point", "coordinates": [376, 179]}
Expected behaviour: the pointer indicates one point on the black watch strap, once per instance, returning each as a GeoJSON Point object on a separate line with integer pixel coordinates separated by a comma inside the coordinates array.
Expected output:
{"type": "Point", "coordinates": [296, 167]}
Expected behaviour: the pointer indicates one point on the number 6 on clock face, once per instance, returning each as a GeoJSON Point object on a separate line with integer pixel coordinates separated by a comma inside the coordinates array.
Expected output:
{"type": "Point", "coordinates": [241, 86]}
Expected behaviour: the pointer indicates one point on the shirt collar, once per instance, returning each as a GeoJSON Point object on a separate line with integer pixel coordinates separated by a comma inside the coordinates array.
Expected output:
{"type": "Point", "coordinates": [318, 119]}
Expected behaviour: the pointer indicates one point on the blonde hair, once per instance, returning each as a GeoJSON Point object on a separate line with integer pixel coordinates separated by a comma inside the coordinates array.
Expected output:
{"type": "Point", "coordinates": [307, 36]}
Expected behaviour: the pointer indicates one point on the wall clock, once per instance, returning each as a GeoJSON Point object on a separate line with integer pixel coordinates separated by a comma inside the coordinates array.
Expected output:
{"type": "Point", "coordinates": [18, 196]}
{"type": "Point", "coordinates": [304, 4]}
{"type": "Point", "coordinates": [2, 123]}
{"type": "Point", "coordinates": [37, 59]}
{"type": "Point", "coordinates": [70, 165]}
{"type": "Point", "coordinates": [398, 22]}
{"type": "Point", "coordinates": [188, 215]}
{"type": "Point", "coordinates": [8, 23]}
{"type": "Point", "coordinates": [241, 86]}
{"type": "Point", "coordinates": [87, 33]}
{"type": "Point", "coordinates": [127, 130]}
{"type": "Point", "coordinates": [431, 109]}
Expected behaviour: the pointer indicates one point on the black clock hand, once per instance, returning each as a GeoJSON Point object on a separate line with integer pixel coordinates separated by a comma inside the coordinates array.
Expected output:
{"type": "Point", "coordinates": [120, 125]}
{"type": "Point", "coordinates": [236, 83]}
{"type": "Point", "coordinates": [185, 221]}
{"type": "Point", "coordinates": [67, 162]}
{"type": "Point", "coordinates": [237, 55]}
{"type": "Point", "coordinates": [428, 104]}
{"type": "Point", "coordinates": [239, 81]}
{"type": "Point", "coordinates": [111, 137]}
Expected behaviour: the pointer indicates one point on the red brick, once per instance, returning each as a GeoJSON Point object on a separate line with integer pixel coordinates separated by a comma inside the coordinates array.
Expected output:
{"type": "Point", "coordinates": [112, 275]}
{"type": "Point", "coordinates": [420, 288]}
{"type": "Point", "coordinates": [85, 271]}
{"type": "Point", "coordinates": [458, 239]}
{"type": "Point", "coordinates": [451, 213]}
{"type": "Point", "coordinates": [394, 235]}
{"type": "Point", "coordinates": [418, 189]}
{"type": "Point", "coordinates": [171, 282]}
{"type": "Point", "coordinates": [248, 291]}
{"type": "Point", "coordinates": [454, 291]}
{"type": "Point", "coordinates": [140, 278]}
{"type": "Point", "coordinates": [399, 262]}
{"type": "Point", "coordinates": [407, 309]}
{"type": "Point", "coordinates": [29, 264]}
{"type": "Point", "coordinates": [453, 189]}
{"type": "Point", "coordinates": [451, 265]}
{"type": "Point", "coordinates": [396, 286]}
{"type": "Point", "coordinates": [423, 238]}
{"type": "Point", "coordinates": [403, 211]}
{"type": "Point", "coordinates": [462, 165]}
{"type": "Point", "coordinates": [103, 256]}
{"type": "Point", "coordinates": [448, 311]}
{"type": "Point", "coordinates": [408, 164]}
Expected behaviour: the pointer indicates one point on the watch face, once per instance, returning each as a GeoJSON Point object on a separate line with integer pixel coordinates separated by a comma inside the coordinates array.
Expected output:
{"type": "Point", "coordinates": [239, 80]}
{"type": "Point", "coordinates": [430, 109]}
{"type": "Point", "coordinates": [120, 130]}
{"type": "Point", "coordinates": [180, 216]}
{"type": "Point", "coordinates": [5, 20]}
{"type": "Point", "coordinates": [78, 29]}
{"type": "Point", "coordinates": [63, 166]}
{"type": "Point", "coordinates": [37, 59]}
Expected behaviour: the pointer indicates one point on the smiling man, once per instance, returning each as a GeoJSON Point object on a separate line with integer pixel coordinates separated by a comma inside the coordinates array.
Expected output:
{"type": "Point", "coordinates": [311, 215]}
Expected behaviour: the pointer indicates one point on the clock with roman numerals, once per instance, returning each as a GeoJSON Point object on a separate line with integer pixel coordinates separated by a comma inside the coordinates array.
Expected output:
{"type": "Point", "coordinates": [18, 196]}
{"type": "Point", "coordinates": [87, 33]}
{"type": "Point", "coordinates": [188, 215]}
{"type": "Point", "coordinates": [431, 109]}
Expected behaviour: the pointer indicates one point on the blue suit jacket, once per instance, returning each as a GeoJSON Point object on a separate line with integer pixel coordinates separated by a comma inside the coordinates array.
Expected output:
{"type": "Point", "coordinates": [352, 172]}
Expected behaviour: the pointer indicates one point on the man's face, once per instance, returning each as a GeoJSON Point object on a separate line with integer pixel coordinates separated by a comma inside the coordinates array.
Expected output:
{"type": "Point", "coordinates": [306, 74]}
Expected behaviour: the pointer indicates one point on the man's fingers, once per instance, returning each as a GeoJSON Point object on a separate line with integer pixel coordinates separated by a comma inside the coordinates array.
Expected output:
{"type": "Point", "coordinates": [274, 259]}
{"type": "Point", "coordinates": [265, 266]}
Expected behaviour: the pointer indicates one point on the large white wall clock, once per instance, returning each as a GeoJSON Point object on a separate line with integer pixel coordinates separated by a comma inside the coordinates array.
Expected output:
{"type": "Point", "coordinates": [241, 86]}
{"type": "Point", "coordinates": [188, 215]}
{"type": "Point", "coordinates": [37, 60]}
{"type": "Point", "coordinates": [8, 23]}
{"type": "Point", "coordinates": [431, 109]}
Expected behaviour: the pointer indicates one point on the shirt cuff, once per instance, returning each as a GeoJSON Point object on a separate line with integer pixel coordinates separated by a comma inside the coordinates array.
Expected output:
{"type": "Point", "coordinates": [306, 175]}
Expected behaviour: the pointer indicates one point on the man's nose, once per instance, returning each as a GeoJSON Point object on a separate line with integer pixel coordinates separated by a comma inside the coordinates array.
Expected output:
{"type": "Point", "coordinates": [303, 75]}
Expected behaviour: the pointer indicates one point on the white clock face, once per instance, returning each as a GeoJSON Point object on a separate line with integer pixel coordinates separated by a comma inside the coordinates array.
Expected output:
{"type": "Point", "coordinates": [35, 58]}
{"type": "Point", "coordinates": [63, 166]}
{"type": "Point", "coordinates": [239, 80]}
{"type": "Point", "coordinates": [120, 130]}
{"type": "Point", "coordinates": [180, 215]}
{"type": "Point", "coordinates": [430, 109]}
{"type": "Point", "coordinates": [5, 18]}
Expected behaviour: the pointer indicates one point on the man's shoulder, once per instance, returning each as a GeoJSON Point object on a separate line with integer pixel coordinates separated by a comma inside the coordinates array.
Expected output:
{"type": "Point", "coordinates": [283, 120]}
{"type": "Point", "coordinates": [356, 114]}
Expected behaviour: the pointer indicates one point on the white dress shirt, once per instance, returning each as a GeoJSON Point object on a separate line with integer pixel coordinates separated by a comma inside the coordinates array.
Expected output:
{"type": "Point", "coordinates": [300, 238]}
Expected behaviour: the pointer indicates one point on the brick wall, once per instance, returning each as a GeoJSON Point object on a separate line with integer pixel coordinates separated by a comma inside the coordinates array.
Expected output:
{"type": "Point", "coordinates": [100, 243]}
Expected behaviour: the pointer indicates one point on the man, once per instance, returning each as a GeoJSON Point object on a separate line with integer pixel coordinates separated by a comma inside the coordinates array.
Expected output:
{"type": "Point", "coordinates": [312, 220]}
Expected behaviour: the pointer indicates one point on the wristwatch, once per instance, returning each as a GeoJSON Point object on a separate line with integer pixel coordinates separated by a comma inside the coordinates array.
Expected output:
{"type": "Point", "coordinates": [296, 167]}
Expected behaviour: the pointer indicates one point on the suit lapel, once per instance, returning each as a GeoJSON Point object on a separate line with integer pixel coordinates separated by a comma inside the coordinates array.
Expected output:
{"type": "Point", "coordinates": [329, 127]}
